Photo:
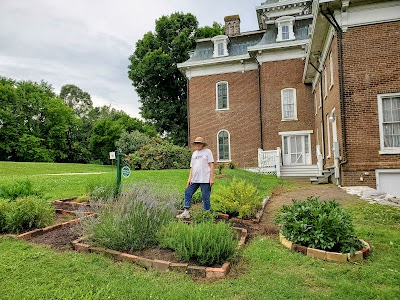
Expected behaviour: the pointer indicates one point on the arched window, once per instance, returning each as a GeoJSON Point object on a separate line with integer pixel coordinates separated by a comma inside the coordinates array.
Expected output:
{"type": "Point", "coordinates": [223, 144]}
{"type": "Point", "coordinates": [289, 105]}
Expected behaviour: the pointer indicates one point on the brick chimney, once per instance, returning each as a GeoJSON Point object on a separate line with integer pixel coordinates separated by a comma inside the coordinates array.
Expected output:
{"type": "Point", "coordinates": [232, 25]}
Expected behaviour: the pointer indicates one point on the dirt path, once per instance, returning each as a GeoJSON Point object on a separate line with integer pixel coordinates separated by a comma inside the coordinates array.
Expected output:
{"type": "Point", "coordinates": [300, 190]}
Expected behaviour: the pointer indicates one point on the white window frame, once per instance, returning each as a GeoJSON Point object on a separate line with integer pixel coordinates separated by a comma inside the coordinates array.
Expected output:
{"type": "Point", "coordinates": [229, 146]}
{"type": "Point", "coordinates": [322, 140]}
{"type": "Point", "coordinates": [294, 103]}
{"type": "Point", "coordinates": [217, 40]}
{"type": "Point", "coordinates": [329, 136]}
{"type": "Point", "coordinates": [331, 70]}
{"type": "Point", "coordinates": [315, 102]}
{"type": "Point", "coordinates": [280, 23]}
{"type": "Point", "coordinates": [383, 149]}
{"type": "Point", "coordinates": [227, 95]}
{"type": "Point", "coordinates": [325, 84]}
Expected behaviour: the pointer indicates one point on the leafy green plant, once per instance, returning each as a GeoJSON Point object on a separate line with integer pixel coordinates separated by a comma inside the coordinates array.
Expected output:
{"type": "Point", "coordinates": [206, 242]}
{"type": "Point", "coordinates": [197, 197]}
{"type": "Point", "coordinates": [3, 214]}
{"type": "Point", "coordinates": [27, 213]}
{"type": "Point", "coordinates": [21, 188]}
{"type": "Point", "coordinates": [161, 155]}
{"type": "Point", "coordinates": [231, 165]}
{"type": "Point", "coordinates": [320, 225]}
{"type": "Point", "coordinates": [132, 222]}
{"type": "Point", "coordinates": [199, 215]}
{"type": "Point", "coordinates": [239, 198]}
{"type": "Point", "coordinates": [220, 168]}
{"type": "Point", "coordinates": [102, 191]}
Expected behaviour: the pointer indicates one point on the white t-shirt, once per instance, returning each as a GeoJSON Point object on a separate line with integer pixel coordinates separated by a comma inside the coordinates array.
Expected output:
{"type": "Point", "coordinates": [200, 165]}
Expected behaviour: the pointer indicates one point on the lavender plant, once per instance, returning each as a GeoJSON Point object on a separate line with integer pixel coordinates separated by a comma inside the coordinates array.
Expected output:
{"type": "Point", "coordinates": [133, 221]}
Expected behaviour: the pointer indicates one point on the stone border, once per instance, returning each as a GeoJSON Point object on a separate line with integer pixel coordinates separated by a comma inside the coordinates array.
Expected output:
{"type": "Point", "coordinates": [69, 201]}
{"type": "Point", "coordinates": [258, 215]}
{"type": "Point", "coordinates": [326, 255]}
{"type": "Point", "coordinates": [40, 231]}
{"type": "Point", "coordinates": [198, 271]}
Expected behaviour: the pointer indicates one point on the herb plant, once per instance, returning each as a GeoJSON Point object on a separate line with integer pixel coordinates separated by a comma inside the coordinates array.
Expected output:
{"type": "Point", "coordinates": [239, 199]}
{"type": "Point", "coordinates": [317, 224]}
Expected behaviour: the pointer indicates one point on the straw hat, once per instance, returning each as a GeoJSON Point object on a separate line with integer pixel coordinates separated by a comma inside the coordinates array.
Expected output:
{"type": "Point", "coordinates": [200, 140]}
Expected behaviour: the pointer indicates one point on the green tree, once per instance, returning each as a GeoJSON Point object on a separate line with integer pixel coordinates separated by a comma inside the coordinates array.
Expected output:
{"type": "Point", "coordinates": [156, 78]}
{"type": "Point", "coordinates": [79, 100]}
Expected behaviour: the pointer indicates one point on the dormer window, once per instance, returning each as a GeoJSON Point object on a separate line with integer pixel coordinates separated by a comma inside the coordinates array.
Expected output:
{"type": "Point", "coordinates": [285, 28]}
{"type": "Point", "coordinates": [220, 45]}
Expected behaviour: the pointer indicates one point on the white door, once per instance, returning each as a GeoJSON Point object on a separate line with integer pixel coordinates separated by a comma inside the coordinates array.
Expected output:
{"type": "Point", "coordinates": [296, 150]}
{"type": "Point", "coordinates": [388, 181]}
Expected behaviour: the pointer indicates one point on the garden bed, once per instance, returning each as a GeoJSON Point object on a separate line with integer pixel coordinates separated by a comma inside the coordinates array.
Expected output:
{"type": "Point", "coordinates": [326, 255]}
{"type": "Point", "coordinates": [58, 235]}
{"type": "Point", "coordinates": [163, 259]}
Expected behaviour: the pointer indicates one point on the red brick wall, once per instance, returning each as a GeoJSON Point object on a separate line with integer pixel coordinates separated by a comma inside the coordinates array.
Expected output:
{"type": "Point", "coordinates": [241, 120]}
{"type": "Point", "coordinates": [276, 76]}
{"type": "Point", "coordinates": [371, 67]}
{"type": "Point", "coordinates": [330, 100]}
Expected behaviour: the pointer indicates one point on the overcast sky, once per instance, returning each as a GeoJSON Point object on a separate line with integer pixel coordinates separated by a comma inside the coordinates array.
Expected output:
{"type": "Point", "coordinates": [88, 42]}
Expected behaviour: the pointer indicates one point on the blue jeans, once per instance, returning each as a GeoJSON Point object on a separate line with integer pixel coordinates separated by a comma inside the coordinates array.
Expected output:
{"type": "Point", "coordinates": [205, 193]}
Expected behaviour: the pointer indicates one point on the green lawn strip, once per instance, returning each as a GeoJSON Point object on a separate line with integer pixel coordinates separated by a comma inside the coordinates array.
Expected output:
{"type": "Point", "coordinates": [34, 168]}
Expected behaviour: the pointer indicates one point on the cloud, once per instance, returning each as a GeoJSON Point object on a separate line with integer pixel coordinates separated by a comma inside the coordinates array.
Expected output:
{"type": "Point", "coordinates": [88, 43]}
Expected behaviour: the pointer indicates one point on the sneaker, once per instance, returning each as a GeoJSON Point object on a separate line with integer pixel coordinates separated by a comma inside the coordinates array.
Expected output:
{"type": "Point", "coordinates": [184, 215]}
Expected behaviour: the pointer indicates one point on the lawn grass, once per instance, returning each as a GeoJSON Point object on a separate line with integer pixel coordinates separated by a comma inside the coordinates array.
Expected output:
{"type": "Point", "coordinates": [60, 180]}
{"type": "Point", "coordinates": [267, 270]}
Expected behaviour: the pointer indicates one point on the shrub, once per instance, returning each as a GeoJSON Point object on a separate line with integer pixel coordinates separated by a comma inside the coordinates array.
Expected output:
{"type": "Point", "coordinates": [132, 222]}
{"type": "Point", "coordinates": [161, 155]}
{"type": "Point", "coordinates": [3, 214]}
{"type": "Point", "coordinates": [27, 213]}
{"type": "Point", "coordinates": [239, 198]}
{"type": "Point", "coordinates": [130, 142]}
{"type": "Point", "coordinates": [321, 225]}
{"type": "Point", "coordinates": [220, 168]}
{"type": "Point", "coordinates": [208, 243]}
{"type": "Point", "coordinates": [18, 189]}
{"type": "Point", "coordinates": [199, 215]}
{"type": "Point", "coordinates": [104, 191]}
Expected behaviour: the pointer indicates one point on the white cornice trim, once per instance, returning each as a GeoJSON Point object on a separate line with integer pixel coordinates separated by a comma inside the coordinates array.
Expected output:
{"type": "Point", "coordinates": [302, 132]}
{"type": "Point", "coordinates": [279, 45]}
{"type": "Point", "coordinates": [213, 61]}
{"type": "Point", "coordinates": [285, 54]}
{"type": "Point", "coordinates": [369, 14]}
{"type": "Point", "coordinates": [206, 70]}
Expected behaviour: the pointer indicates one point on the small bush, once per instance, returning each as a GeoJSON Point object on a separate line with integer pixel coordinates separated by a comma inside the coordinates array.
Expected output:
{"type": "Point", "coordinates": [160, 155]}
{"type": "Point", "coordinates": [208, 243]}
{"type": "Point", "coordinates": [197, 197]}
{"type": "Point", "coordinates": [26, 214]}
{"type": "Point", "coordinates": [132, 222]}
{"type": "Point", "coordinates": [3, 214]}
{"type": "Point", "coordinates": [199, 215]}
{"type": "Point", "coordinates": [102, 191]}
{"type": "Point", "coordinates": [18, 189]}
{"type": "Point", "coordinates": [321, 225]}
{"type": "Point", "coordinates": [220, 168]}
{"type": "Point", "coordinates": [239, 198]}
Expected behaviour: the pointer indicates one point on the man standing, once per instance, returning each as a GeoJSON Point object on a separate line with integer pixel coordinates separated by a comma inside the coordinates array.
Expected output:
{"type": "Point", "coordinates": [201, 176]}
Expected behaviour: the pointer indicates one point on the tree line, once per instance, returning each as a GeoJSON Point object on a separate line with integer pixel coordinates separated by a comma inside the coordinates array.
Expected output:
{"type": "Point", "coordinates": [38, 125]}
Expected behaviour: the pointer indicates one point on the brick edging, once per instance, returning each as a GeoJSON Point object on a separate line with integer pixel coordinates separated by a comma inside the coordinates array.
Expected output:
{"type": "Point", "coordinates": [326, 255]}
{"type": "Point", "coordinates": [40, 231]}
{"type": "Point", "coordinates": [200, 271]}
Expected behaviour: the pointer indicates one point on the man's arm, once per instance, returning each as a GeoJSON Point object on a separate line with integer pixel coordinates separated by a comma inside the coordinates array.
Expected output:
{"type": "Point", "coordinates": [190, 178]}
{"type": "Point", "coordinates": [211, 173]}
